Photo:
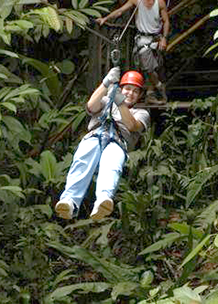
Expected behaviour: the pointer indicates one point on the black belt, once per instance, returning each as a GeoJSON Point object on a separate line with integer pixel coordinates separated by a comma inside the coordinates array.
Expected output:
{"type": "Point", "coordinates": [146, 34]}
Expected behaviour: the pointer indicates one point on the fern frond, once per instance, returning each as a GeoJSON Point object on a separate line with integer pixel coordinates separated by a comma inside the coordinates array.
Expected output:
{"type": "Point", "coordinates": [208, 216]}
{"type": "Point", "coordinates": [135, 157]}
{"type": "Point", "coordinates": [198, 182]}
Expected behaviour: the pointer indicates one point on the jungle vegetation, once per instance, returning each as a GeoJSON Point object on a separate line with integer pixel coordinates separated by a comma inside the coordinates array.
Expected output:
{"type": "Point", "coordinates": [160, 246]}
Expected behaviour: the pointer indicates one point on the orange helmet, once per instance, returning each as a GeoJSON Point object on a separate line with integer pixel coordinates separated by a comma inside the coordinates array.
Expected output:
{"type": "Point", "coordinates": [132, 77]}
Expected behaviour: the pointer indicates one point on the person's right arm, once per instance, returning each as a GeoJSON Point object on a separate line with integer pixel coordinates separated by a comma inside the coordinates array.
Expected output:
{"type": "Point", "coordinates": [118, 12]}
{"type": "Point", "coordinates": [94, 104]}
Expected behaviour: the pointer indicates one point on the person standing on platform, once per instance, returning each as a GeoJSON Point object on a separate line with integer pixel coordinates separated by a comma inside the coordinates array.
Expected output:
{"type": "Point", "coordinates": [152, 23]}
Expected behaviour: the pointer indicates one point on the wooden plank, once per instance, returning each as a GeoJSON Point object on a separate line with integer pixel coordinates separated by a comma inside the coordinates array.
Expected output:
{"type": "Point", "coordinates": [199, 72]}
{"type": "Point", "coordinates": [168, 105]}
{"type": "Point", "coordinates": [188, 87]}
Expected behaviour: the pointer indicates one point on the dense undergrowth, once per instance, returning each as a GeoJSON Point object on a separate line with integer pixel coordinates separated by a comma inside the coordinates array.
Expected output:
{"type": "Point", "coordinates": [159, 246]}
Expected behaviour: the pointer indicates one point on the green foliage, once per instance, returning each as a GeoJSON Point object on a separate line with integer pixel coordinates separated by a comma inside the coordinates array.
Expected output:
{"type": "Point", "coordinates": [213, 13]}
{"type": "Point", "coordinates": [167, 241]}
{"type": "Point", "coordinates": [39, 21]}
{"type": "Point", "coordinates": [197, 183]}
{"type": "Point", "coordinates": [162, 247]}
{"type": "Point", "coordinates": [48, 167]}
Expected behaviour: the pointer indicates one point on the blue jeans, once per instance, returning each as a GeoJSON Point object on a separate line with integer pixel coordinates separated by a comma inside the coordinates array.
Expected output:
{"type": "Point", "coordinates": [94, 153]}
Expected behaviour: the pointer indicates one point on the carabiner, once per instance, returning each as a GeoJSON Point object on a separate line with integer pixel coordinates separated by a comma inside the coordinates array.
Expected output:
{"type": "Point", "coordinates": [115, 57]}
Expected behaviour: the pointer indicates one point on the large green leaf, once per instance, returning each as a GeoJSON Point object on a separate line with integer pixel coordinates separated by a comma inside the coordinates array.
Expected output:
{"type": "Point", "coordinates": [63, 276]}
{"type": "Point", "coordinates": [90, 12]}
{"type": "Point", "coordinates": [66, 66]}
{"type": "Point", "coordinates": [17, 130]}
{"type": "Point", "coordinates": [216, 241]}
{"type": "Point", "coordinates": [103, 2]}
{"type": "Point", "coordinates": [112, 272]}
{"type": "Point", "coordinates": [212, 47]}
{"type": "Point", "coordinates": [10, 106]}
{"type": "Point", "coordinates": [11, 78]}
{"type": "Point", "coordinates": [44, 209]}
{"type": "Point", "coordinates": [17, 191]}
{"type": "Point", "coordinates": [19, 24]}
{"type": "Point", "coordinates": [79, 18]}
{"type": "Point", "coordinates": [195, 251]}
{"type": "Point", "coordinates": [6, 8]}
{"type": "Point", "coordinates": [101, 8]}
{"type": "Point", "coordinates": [184, 228]}
{"type": "Point", "coordinates": [215, 36]}
{"type": "Point", "coordinates": [214, 13]}
{"type": "Point", "coordinates": [74, 4]}
{"type": "Point", "coordinates": [212, 298]}
{"type": "Point", "coordinates": [9, 53]}
{"type": "Point", "coordinates": [167, 241]}
{"type": "Point", "coordinates": [48, 164]}
{"type": "Point", "coordinates": [96, 287]}
{"type": "Point", "coordinates": [50, 77]}
{"type": "Point", "coordinates": [20, 91]}
{"type": "Point", "coordinates": [123, 288]}
{"type": "Point", "coordinates": [35, 166]}
{"type": "Point", "coordinates": [4, 268]}
{"type": "Point", "coordinates": [186, 295]}
{"type": "Point", "coordinates": [83, 3]}
{"type": "Point", "coordinates": [3, 76]}
{"type": "Point", "coordinates": [78, 119]}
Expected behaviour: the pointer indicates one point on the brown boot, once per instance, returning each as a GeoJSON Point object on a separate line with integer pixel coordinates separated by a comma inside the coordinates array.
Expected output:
{"type": "Point", "coordinates": [162, 91]}
{"type": "Point", "coordinates": [151, 98]}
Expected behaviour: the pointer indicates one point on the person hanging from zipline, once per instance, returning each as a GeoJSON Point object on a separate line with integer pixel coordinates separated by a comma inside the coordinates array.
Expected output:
{"type": "Point", "coordinates": [152, 23]}
{"type": "Point", "coordinates": [114, 129]}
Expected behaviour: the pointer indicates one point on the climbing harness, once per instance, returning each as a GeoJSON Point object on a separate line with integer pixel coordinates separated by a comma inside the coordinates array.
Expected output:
{"type": "Point", "coordinates": [152, 44]}
{"type": "Point", "coordinates": [107, 123]}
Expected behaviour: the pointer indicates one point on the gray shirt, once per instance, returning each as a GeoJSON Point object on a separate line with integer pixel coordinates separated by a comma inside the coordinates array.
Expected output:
{"type": "Point", "coordinates": [131, 138]}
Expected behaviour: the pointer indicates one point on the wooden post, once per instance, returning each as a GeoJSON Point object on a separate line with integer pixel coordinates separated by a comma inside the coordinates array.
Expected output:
{"type": "Point", "coordinates": [95, 62]}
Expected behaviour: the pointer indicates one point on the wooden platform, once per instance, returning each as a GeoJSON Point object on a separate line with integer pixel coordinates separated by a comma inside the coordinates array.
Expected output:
{"type": "Point", "coordinates": [168, 105]}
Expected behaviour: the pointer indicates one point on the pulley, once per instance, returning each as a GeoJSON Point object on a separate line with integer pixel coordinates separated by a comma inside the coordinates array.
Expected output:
{"type": "Point", "coordinates": [115, 53]}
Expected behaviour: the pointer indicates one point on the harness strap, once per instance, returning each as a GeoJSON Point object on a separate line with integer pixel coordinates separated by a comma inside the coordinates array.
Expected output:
{"type": "Point", "coordinates": [106, 121]}
{"type": "Point", "coordinates": [155, 38]}
{"type": "Point", "coordinates": [104, 116]}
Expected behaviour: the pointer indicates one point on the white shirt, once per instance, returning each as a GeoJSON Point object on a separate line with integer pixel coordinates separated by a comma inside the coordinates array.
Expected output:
{"type": "Point", "coordinates": [148, 19]}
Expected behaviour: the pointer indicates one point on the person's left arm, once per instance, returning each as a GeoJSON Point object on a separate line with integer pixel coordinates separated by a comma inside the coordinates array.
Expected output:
{"type": "Point", "coordinates": [166, 24]}
{"type": "Point", "coordinates": [132, 124]}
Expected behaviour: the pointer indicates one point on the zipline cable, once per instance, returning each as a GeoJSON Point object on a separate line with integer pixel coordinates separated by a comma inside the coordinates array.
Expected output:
{"type": "Point", "coordinates": [128, 22]}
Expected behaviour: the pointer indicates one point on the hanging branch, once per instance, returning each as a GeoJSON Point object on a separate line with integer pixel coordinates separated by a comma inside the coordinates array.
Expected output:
{"type": "Point", "coordinates": [188, 32]}
{"type": "Point", "coordinates": [70, 84]}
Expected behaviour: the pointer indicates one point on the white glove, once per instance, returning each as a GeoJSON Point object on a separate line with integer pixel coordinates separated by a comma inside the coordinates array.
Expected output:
{"type": "Point", "coordinates": [112, 77]}
{"type": "Point", "coordinates": [119, 97]}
